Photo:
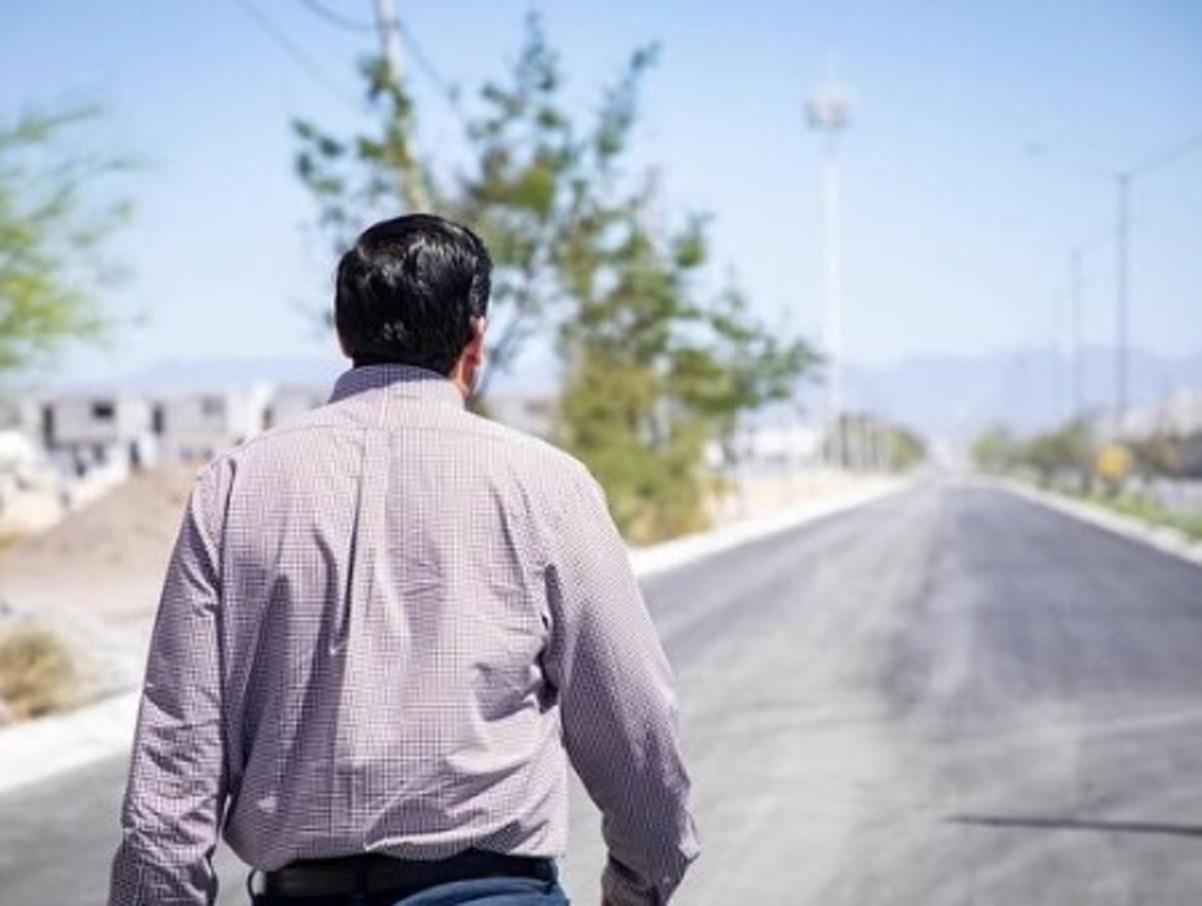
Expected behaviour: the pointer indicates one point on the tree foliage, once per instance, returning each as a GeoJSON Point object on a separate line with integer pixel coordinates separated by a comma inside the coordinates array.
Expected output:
{"type": "Point", "coordinates": [869, 442]}
{"type": "Point", "coordinates": [1066, 451]}
{"type": "Point", "coordinates": [907, 449]}
{"type": "Point", "coordinates": [1068, 448]}
{"type": "Point", "coordinates": [995, 449]}
{"type": "Point", "coordinates": [52, 235]}
{"type": "Point", "coordinates": [1161, 453]}
{"type": "Point", "coordinates": [654, 367]}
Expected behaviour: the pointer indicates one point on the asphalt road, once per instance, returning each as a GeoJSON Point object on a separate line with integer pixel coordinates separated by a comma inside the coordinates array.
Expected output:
{"type": "Point", "coordinates": [950, 696]}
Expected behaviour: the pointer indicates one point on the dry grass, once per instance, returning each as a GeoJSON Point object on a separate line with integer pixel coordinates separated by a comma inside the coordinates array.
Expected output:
{"type": "Point", "coordinates": [37, 672]}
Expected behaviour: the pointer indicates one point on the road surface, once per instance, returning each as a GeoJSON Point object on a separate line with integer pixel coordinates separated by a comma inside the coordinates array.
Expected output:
{"type": "Point", "coordinates": [949, 696]}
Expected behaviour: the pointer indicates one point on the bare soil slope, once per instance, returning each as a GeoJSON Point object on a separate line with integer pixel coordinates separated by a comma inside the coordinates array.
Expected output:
{"type": "Point", "coordinates": [106, 560]}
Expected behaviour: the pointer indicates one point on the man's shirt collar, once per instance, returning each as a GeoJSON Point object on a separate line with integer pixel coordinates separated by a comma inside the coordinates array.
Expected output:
{"type": "Point", "coordinates": [397, 380]}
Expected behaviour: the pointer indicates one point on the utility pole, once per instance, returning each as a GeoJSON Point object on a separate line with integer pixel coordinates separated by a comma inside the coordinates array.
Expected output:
{"type": "Point", "coordinates": [828, 112]}
{"type": "Point", "coordinates": [1122, 302]}
{"type": "Point", "coordinates": [390, 39]}
{"type": "Point", "coordinates": [412, 183]}
{"type": "Point", "coordinates": [1057, 358]}
{"type": "Point", "coordinates": [1123, 180]}
{"type": "Point", "coordinates": [1077, 361]}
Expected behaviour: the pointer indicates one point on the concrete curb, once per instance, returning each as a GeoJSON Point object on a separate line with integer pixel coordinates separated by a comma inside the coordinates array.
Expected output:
{"type": "Point", "coordinates": [658, 558]}
{"type": "Point", "coordinates": [1164, 538]}
{"type": "Point", "coordinates": [40, 749]}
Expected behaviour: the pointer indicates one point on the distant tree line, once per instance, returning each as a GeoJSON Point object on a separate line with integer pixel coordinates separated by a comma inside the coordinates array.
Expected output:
{"type": "Point", "coordinates": [866, 442]}
{"type": "Point", "coordinates": [1072, 453]}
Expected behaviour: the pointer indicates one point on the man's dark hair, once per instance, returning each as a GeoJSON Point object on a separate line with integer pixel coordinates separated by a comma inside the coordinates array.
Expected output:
{"type": "Point", "coordinates": [408, 290]}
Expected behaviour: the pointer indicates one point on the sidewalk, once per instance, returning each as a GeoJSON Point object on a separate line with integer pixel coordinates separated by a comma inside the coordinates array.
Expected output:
{"type": "Point", "coordinates": [805, 502]}
{"type": "Point", "coordinates": [39, 749]}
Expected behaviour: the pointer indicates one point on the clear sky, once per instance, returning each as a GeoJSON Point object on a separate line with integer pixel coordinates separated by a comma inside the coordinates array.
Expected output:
{"type": "Point", "coordinates": [957, 235]}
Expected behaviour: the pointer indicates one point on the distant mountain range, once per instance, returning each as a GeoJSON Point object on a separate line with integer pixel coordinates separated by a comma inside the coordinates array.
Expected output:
{"type": "Point", "coordinates": [941, 396]}
{"type": "Point", "coordinates": [956, 397]}
{"type": "Point", "coordinates": [214, 374]}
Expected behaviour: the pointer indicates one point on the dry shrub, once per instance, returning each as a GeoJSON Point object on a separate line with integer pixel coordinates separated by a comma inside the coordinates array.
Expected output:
{"type": "Point", "coordinates": [37, 672]}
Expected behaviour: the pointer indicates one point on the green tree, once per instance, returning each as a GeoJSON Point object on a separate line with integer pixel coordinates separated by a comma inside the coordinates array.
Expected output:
{"type": "Point", "coordinates": [654, 370]}
{"type": "Point", "coordinates": [1067, 450]}
{"type": "Point", "coordinates": [907, 449]}
{"type": "Point", "coordinates": [523, 189]}
{"type": "Point", "coordinates": [1161, 453]}
{"type": "Point", "coordinates": [995, 450]}
{"type": "Point", "coordinates": [657, 372]}
{"type": "Point", "coordinates": [52, 235]}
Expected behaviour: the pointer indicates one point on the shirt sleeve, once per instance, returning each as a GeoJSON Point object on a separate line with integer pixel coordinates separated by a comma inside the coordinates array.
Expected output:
{"type": "Point", "coordinates": [176, 786]}
{"type": "Point", "coordinates": [617, 702]}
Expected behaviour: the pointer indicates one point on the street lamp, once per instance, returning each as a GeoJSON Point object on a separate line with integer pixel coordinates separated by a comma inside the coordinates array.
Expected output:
{"type": "Point", "coordinates": [828, 111]}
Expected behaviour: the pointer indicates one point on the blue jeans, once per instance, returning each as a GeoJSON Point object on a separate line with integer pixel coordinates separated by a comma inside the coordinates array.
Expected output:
{"type": "Point", "coordinates": [479, 892]}
{"type": "Point", "coordinates": [490, 892]}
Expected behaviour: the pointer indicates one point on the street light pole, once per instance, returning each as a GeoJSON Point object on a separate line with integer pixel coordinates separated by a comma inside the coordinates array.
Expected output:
{"type": "Point", "coordinates": [1122, 302]}
{"type": "Point", "coordinates": [1077, 362]}
{"type": "Point", "coordinates": [828, 112]}
{"type": "Point", "coordinates": [833, 303]}
{"type": "Point", "coordinates": [1123, 180]}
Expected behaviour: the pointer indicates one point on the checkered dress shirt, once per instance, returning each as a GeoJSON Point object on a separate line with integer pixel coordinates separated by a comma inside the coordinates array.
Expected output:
{"type": "Point", "coordinates": [387, 626]}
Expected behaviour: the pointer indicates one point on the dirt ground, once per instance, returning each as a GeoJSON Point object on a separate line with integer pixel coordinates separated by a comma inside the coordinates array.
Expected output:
{"type": "Point", "coordinates": [93, 579]}
{"type": "Point", "coordinates": [764, 495]}
{"type": "Point", "coordinates": [108, 558]}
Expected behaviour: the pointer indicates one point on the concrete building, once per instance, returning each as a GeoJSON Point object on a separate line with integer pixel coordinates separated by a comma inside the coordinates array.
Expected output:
{"type": "Point", "coordinates": [1179, 415]}
{"type": "Point", "coordinates": [59, 452]}
{"type": "Point", "coordinates": [31, 495]}
{"type": "Point", "coordinates": [288, 401]}
{"type": "Point", "coordinates": [532, 413]}
{"type": "Point", "coordinates": [85, 432]}
{"type": "Point", "coordinates": [198, 426]}
{"type": "Point", "coordinates": [1178, 418]}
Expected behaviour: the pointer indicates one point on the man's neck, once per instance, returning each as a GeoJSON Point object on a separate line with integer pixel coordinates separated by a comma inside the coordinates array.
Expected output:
{"type": "Point", "coordinates": [456, 377]}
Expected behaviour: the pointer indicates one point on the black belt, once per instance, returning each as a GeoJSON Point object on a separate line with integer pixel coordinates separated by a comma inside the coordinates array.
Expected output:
{"type": "Point", "coordinates": [373, 874]}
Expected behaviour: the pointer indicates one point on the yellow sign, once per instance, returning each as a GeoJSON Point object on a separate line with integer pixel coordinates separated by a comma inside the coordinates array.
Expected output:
{"type": "Point", "coordinates": [1113, 463]}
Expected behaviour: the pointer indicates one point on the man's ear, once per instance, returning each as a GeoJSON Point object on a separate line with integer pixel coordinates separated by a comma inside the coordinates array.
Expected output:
{"type": "Point", "coordinates": [475, 346]}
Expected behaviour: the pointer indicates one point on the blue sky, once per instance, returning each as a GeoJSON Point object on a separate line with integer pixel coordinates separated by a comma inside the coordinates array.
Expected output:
{"type": "Point", "coordinates": [956, 237]}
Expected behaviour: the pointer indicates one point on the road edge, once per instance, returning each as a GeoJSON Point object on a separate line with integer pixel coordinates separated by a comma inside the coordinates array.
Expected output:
{"type": "Point", "coordinates": [38, 750]}
{"type": "Point", "coordinates": [1162, 537]}
{"type": "Point", "coordinates": [668, 555]}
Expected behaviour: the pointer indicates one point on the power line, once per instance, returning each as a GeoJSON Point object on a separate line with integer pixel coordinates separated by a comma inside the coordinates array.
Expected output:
{"type": "Point", "coordinates": [337, 18]}
{"type": "Point", "coordinates": [413, 183]}
{"type": "Point", "coordinates": [427, 65]}
{"type": "Point", "coordinates": [412, 45]}
{"type": "Point", "coordinates": [1171, 155]}
{"type": "Point", "coordinates": [298, 54]}
{"type": "Point", "coordinates": [1123, 180]}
